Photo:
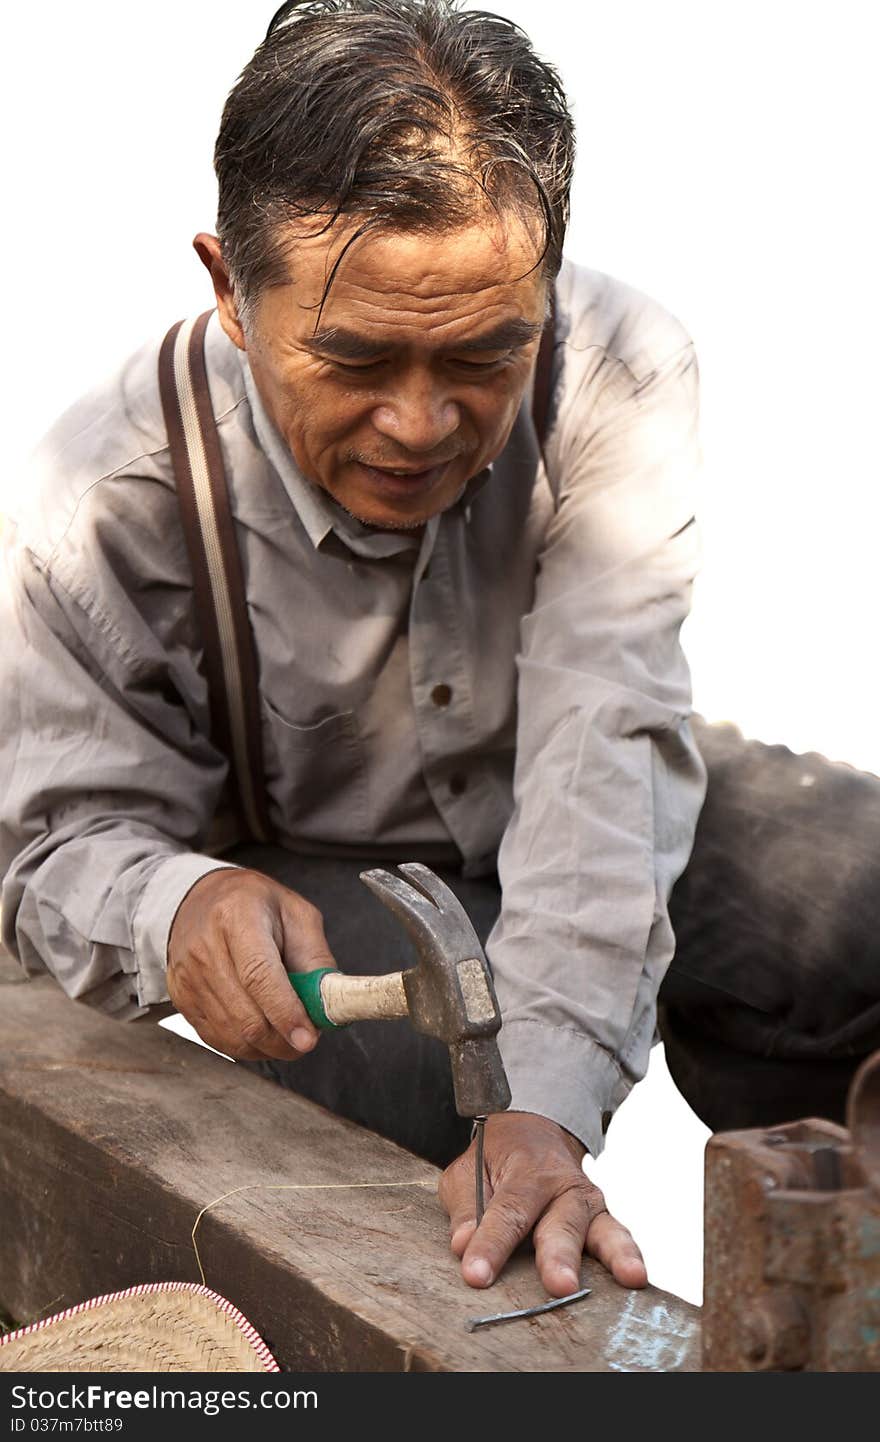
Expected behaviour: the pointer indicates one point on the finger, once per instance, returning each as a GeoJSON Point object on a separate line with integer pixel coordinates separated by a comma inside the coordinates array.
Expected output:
{"type": "Point", "coordinates": [255, 1034]}
{"type": "Point", "coordinates": [216, 1002]}
{"type": "Point", "coordinates": [275, 1019]}
{"type": "Point", "coordinates": [612, 1245]}
{"type": "Point", "coordinates": [560, 1236]}
{"type": "Point", "coordinates": [303, 942]}
{"type": "Point", "coordinates": [198, 1010]}
{"type": "Point", "coordinates": [560, 1243]}
{"type": "Point", "coordinates": [510, 1215]}
{"type": "Point", "coordinates": [232, 1023]}
{"type": "Point", "coordinates": [219, 1044]}
{"type": "Point", "coordinates": [458, 1195]}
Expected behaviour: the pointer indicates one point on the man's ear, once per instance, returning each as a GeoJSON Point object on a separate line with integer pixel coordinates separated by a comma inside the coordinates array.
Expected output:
{"type": "Point", "coordinates": [207, 248]}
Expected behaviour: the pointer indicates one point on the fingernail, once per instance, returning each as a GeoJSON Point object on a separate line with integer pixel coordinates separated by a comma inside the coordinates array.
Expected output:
{"type": "Point", "coordinates": [479, 1272]}
{"type": "Point", "coordinates": [301, 1039]}
{"type": "Point", "coordinates": [570, 1278]}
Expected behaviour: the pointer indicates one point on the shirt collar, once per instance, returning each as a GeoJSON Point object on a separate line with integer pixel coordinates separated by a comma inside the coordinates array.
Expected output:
{"type": "Point", "coordinates": [308, 501]}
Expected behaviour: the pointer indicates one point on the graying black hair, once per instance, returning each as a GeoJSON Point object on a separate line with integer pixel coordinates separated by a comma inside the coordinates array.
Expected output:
{"type": "Point", "coordinates": [390, 111]}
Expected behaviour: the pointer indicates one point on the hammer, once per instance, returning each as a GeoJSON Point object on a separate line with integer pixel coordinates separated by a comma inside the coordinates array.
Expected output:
{"type": "Point", "coordinates": [448, 993]}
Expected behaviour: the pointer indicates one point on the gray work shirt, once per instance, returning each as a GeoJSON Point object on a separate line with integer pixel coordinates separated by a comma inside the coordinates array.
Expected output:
{"type": "Point", "coordinates": [508, 687]}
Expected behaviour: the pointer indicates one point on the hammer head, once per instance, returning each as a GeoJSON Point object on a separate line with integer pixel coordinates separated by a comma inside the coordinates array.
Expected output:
{"type": "Point", "coordinates": [449, 991]}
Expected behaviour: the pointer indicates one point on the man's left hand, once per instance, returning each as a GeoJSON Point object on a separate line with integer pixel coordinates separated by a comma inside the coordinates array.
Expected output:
{"type": "Point", "coordinates": [534, 1183]}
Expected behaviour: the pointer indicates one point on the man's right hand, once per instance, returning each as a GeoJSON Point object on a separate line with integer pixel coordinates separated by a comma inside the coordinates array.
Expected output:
{"type": "Point", "coordinates": [235, 936]}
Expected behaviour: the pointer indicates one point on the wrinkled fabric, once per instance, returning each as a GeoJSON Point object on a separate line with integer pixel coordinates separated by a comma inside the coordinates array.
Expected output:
{"type": "Point", "coordinates": [508, 689]}
{"type": "Point", "coordinates": [778, 914]}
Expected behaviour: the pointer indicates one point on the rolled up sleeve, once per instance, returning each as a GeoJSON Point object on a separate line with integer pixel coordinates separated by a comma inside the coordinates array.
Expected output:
{"type": "Point", "coordinates": [608, 782]}
{"type": "Point", "coordinates": [108, 788]}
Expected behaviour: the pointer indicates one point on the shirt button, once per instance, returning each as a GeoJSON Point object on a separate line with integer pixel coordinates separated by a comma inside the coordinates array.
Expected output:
{"type": "Point", "coordinates": [441, 695]}
{"type": "Point", "coordinates": [457, 784]}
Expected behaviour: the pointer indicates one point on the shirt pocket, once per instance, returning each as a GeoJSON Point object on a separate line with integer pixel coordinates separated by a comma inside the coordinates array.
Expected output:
{"type": "Point", "coordinates": [315, 776]}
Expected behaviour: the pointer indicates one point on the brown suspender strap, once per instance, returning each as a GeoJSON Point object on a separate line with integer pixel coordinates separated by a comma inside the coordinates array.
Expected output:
{"type": "Point", "coordinates": [218, 586]}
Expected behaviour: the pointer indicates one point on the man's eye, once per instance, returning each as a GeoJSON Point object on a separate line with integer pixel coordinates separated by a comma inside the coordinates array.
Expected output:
{"type": "Point", "coordinates": [355, 367]}
{"type": "Point", "coordinates": [481, 365]}
{"type": "Point", "coordinates": [368, 367]}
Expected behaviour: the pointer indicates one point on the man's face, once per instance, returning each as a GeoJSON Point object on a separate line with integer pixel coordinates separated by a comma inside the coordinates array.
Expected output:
{"type": "Point", "coordinates": [407, 383]}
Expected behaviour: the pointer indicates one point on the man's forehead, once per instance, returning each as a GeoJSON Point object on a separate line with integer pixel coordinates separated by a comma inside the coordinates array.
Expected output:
{"type": "Point", "coordinates": [496, 258]}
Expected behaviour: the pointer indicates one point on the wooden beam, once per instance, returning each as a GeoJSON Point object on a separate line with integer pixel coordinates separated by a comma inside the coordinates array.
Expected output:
{"type": "Point", "coordinates": [113, 1137]}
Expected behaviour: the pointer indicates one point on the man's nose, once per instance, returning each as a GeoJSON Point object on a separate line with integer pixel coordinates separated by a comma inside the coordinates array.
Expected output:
{"type": "Point", "coordinates": [418, 414]}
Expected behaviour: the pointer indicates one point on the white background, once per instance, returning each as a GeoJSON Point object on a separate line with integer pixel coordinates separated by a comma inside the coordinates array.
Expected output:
{"type": "Point", "coordinates": [727, 165]}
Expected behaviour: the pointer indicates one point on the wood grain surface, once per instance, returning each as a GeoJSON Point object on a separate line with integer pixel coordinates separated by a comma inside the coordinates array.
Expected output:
{"type": "Point", "coordinates": [114, 1136]}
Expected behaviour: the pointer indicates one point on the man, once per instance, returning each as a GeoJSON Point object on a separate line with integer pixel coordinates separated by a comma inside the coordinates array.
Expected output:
{"type": "Point", "coordinates": [462, 659]}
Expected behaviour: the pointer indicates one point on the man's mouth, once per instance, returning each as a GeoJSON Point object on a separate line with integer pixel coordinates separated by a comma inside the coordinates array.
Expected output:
{"type": "Point", "coordinates": [403, 480]}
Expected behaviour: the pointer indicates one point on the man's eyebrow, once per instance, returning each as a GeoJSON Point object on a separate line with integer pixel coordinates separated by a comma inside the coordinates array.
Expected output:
{"type": "Point", "coordinates": [509, 335]}
{"type": "Point", "coordinates": [348, 345]}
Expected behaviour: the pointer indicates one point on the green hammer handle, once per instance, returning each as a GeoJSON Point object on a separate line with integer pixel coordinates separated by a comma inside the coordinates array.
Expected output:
{"type": "Point", "coordinates": [307, 985]}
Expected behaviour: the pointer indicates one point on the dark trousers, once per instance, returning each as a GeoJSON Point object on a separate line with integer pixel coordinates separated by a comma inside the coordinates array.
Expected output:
{"type": "Point", "coordinates": [770, 1003]}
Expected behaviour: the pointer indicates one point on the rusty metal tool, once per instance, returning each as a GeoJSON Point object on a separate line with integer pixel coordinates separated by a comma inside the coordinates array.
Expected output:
{"type": "Point", "coordinates": [448, 994]}
{"type": "Point", "coordinates": [792, 1243]}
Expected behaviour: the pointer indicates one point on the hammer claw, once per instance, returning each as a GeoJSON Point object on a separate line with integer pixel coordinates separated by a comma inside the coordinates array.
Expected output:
{"type": "Point", "coordinates": [429, 884]}
{"type": "Point", "coordinates": [414, 908]}
{"type": "Point", "coordinates": [425, 906]}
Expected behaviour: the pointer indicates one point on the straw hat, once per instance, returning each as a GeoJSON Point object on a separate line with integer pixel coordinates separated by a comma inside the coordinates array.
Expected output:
{"type": "Point", "coordinates": [160, 1327]}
